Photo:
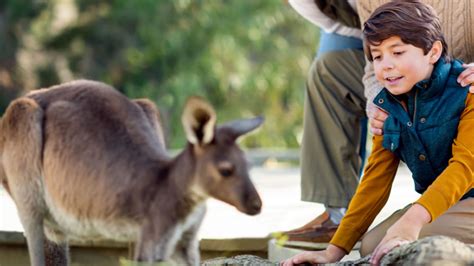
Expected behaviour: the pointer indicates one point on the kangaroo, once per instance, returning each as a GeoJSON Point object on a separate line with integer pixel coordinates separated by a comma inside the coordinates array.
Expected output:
{"type": "Point", "coordinates": [82, 161]}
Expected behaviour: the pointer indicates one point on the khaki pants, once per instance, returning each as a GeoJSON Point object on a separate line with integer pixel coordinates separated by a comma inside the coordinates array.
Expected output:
{"type": "Point", "coordinates": [457, 222]}
{"type": "Point", "coordinates": [334, 106]}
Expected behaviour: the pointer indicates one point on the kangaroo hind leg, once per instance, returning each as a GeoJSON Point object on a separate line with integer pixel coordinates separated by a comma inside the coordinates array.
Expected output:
{"type": "Point", "coordinates": [21, 128]}
{"type": "Point", "coordinates": [56, 253]}
{"type": "Point", "coordinates": [56, 248]}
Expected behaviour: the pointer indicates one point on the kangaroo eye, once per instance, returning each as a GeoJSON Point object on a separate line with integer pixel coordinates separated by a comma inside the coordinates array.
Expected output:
{"type": "Point", "coordinates": [226, 169]}
{"type": "Point", "coordinates": [226, 172]}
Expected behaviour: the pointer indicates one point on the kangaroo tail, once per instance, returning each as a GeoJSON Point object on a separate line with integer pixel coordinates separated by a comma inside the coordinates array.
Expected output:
{"type": "Point", "coordinates": [21, 141]}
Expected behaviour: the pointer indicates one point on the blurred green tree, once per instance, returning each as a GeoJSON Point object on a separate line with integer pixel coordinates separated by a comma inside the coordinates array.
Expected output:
{"type": "Point", "coordinates": [247, 58]}
{"type": "Point", "coordinates": [15, 19]}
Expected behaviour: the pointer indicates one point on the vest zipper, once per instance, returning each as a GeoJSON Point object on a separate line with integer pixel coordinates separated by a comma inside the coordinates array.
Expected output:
{"type": "Point", "coordinates": [414, 108]}
{"type": "Point", "coordinates": [405, 107]}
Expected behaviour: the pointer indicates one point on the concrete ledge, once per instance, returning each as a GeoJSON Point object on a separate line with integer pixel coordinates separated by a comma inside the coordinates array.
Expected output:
{"type": "Point", "coordinates": [278, 252]}
{"type": "Point", "coordinates": [17, 238]}
{"type": "Point", "coordinates": [235, 244]}
{"type": "Point", "coordinates": [13, 249]}
{"type": "Point", "coordinates": [214, 248]}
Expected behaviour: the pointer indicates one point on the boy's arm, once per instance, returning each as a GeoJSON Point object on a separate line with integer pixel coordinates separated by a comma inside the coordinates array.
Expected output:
{"type": "Point", "coordinates": [370, 197]}
{"type": "Point", "coordinates": [444, 192]}
{"type": "Point", "coordinates": [458, 178]}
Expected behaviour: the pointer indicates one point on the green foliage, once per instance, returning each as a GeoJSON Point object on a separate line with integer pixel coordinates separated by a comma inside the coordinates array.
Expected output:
{"type": "Point", "coordinates": [246, 58]}
{"type": "Point", "coordinates": [15, 19]}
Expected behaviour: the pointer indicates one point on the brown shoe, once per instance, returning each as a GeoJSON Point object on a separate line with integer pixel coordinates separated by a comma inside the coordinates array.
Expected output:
{"type": "Point", "coordinates": [317, 234]}
{"type": "Point", "coordinates": [316, 222]}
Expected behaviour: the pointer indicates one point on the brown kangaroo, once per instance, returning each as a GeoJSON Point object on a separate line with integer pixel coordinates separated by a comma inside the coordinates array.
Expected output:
{"type": "Point", "coordinates": [82, 161]}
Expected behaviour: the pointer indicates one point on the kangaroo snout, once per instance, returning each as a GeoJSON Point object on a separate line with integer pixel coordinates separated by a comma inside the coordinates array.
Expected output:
{"type": "Point", "coordinates": [250, 202]}
{"type": "Point", "coordinates": [253, 206]}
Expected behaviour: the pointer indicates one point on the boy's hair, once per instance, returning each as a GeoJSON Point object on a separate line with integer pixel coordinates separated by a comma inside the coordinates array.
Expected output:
{"type": "Point", "coordinates": [414, 22]}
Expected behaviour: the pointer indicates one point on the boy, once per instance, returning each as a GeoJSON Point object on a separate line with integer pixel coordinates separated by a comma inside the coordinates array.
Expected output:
{"type": "Point", "coordinates": [429, 128]}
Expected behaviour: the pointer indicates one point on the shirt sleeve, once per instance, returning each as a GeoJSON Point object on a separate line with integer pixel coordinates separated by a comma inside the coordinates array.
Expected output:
{"type": "Point", "coordinates": [458, 178]}
{"type": "Point", "coordinates": [310, 11]}
{"type": "Point", "coordinates": [370, 197]}
{"type": "Point", "coordinates": [372, 86]}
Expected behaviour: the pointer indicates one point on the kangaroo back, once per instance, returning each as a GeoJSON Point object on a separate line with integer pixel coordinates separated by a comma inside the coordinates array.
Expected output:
{"type": "Point", "coordinates": [100, 150]}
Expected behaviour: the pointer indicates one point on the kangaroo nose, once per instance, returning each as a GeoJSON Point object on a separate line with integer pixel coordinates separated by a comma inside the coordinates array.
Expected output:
{"type": "Point", "coordinates": [254, 207]}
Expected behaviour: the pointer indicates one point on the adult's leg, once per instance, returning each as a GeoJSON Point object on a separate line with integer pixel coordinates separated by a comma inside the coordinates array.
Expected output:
{"type": "Point", "coordinates": [334, 106]}
{"type": "Point", "coordinates": [330, 42]}
{"type": "Point", "coordinates": [334, 81]}
{"type": "Point", "coordinates": [330, 159]}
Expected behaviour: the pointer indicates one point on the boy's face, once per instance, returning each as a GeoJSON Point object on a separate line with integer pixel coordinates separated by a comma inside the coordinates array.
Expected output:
{"type": "Point", "coordinates": [399, 66]}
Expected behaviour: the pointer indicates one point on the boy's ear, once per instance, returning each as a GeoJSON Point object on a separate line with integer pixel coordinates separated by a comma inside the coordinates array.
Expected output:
{"type": "Point", "coordinates": [435, 52]}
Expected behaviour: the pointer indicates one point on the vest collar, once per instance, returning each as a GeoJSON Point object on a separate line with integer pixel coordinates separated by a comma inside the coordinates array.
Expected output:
{"type": "Point", "coordinates": [435, 85]}
{"type": "Point", "coordinates": [426, 89]}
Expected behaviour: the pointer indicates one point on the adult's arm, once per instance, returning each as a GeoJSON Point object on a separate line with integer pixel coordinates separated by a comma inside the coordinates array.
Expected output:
{"type": "Point", "coordinates": [372, 87]}
{"type": "Point", "coordinates": [310, 11]}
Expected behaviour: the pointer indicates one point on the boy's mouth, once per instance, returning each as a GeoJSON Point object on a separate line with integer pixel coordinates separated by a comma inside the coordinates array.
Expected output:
{"type": "Point", "coordinates": [393, 80]}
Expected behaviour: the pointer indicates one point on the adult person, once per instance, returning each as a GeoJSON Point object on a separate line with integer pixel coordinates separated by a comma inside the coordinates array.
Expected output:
{"type": "Point", "coordinates": [334, 108]}
{"type": "Point", "coordinates": [337, 90]}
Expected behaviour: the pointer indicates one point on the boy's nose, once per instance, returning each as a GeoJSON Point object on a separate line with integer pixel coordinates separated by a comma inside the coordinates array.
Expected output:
{"type": "Point", "coordinates": [387, 64]}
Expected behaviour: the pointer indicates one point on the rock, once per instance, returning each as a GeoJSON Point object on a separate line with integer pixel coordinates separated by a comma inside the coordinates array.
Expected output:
{"type": "Point", "coordinates": [435, 250]}
{"type": "Point", "coordinates": [244, 260]}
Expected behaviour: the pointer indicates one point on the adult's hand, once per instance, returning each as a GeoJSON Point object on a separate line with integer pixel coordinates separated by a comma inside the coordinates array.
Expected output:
{"type": "Point", "coordinates": [330, 254]}
{"type": "Point", "coordinates": [467, 76]}
{"type": "Point", "coordinates": [377, 117]}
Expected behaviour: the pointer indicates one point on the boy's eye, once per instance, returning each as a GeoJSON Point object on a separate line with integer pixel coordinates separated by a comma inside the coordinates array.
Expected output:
{"type": "Point", "coordinates": [399, 53]}
{"type": "Point", "coordinates": [376, 57]}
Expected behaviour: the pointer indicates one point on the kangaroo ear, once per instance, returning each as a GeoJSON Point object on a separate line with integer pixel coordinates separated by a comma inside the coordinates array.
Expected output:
{"type": "Point", "coordinates": [240, 127]}
{"type": "Point", "coordinates": [199, 121]}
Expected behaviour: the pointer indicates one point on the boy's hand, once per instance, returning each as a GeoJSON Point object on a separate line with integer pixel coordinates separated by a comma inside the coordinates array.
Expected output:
{"type": "Point", "coordinates": [397, 235]}
{"type": "Point", "coordinates": [330, 254]}
{"type": "Point", "coordinates": [404, 231]}
{"type": "Point", "coordinates": [377, 117]}
{"type": "Point", "coordinates": [467, 76]}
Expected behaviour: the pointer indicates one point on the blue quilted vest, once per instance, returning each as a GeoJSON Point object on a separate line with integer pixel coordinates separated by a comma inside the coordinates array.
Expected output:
{"type": "Point", "coordinates": [423, 136]}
